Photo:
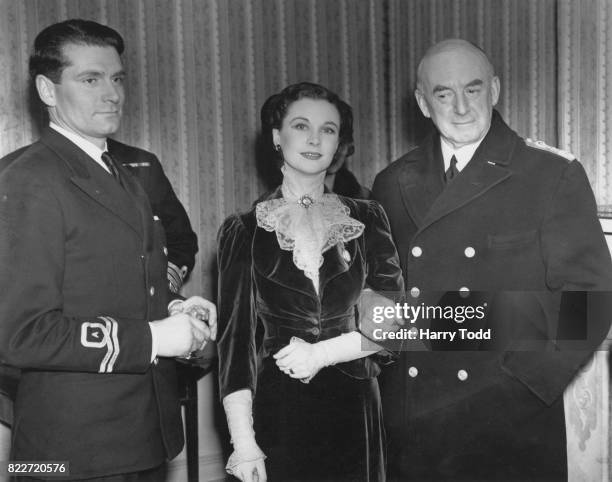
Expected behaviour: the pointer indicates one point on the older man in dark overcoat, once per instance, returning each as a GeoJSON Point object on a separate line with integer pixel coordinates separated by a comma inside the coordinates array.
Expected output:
{"type": "Point", "coordinates": [486, 220]}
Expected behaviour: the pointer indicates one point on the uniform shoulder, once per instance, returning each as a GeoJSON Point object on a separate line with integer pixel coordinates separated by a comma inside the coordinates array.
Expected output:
{"type": "Point", "coordinates": [33, 158]}
{"type": "Point", "coordinates": [12, 156]}
{"type": "Point", "coordinates": [36, 169]}
{"type": "Point", "coordinates": [540, 147]}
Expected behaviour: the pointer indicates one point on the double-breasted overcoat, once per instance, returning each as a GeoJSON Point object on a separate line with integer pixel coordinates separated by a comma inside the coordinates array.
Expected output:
{"type": "Point", "coordinates": [516, 233]}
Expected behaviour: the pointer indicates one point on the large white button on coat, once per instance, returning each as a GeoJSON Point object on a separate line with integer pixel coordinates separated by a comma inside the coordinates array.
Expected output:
{"type": "Point", "coordinates": [464, 292]}
{"type": "Point", "coordinates": [462, 375]}
{"type": "Point", "coordinates": [413, 372]}
{"type": "Point", "coordinates": [415, 292]}
{"type": "Point", "coordinates": [152, 290]}
{"type": "Point", "coordinates": [417, 251]}
{"type": "Point", "coordinates": [469, 252]}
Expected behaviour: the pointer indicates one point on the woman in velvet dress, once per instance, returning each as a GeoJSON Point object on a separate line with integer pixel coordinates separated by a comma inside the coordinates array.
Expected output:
{"type": "Point", "coordinates": [294, 359]}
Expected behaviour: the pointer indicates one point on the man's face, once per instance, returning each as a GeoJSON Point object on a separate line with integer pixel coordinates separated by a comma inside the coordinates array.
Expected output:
{"type": "Point", "coordinates": [89, 97]}
{"type": "Point", "coordinates": [458, 92]}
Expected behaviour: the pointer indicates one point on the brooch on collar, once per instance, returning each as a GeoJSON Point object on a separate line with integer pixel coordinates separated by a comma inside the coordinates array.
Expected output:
{"type": "Point", "coordinates": [305, 201]}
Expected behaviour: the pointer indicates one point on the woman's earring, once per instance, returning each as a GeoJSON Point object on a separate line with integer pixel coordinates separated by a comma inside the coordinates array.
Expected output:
{"type": "Point", "coordinates": [277, 147]}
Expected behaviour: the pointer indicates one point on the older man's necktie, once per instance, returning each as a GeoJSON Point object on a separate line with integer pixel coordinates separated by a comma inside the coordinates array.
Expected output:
{"type": "Point", "coordinates": [452, 171]}
{"type": "Point", "coordinates": [109, 162]}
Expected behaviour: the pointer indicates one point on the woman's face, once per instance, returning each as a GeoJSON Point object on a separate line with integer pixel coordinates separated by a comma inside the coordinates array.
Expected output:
{"type": "Point", "coordinates": [309, 135]}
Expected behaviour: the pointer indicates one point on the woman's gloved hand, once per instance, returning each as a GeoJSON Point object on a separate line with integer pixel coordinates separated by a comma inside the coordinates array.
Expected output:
{"type": "Point", "coordinates": [247, 461]}
{"type": "Point", "coordinates": [303, 360]}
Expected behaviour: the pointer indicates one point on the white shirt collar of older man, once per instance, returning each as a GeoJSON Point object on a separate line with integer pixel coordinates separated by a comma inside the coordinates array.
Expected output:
{"type": "Point", "coordinates": [463, 154]}
{"type": "Point", "coordinates": [90, 148]}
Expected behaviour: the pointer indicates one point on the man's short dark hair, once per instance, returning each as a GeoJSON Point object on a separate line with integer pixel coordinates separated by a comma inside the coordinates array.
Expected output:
{"type": "Point", "coordinates": [48, 59]}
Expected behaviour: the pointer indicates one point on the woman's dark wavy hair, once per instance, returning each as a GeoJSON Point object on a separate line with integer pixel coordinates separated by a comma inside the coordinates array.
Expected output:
{"type": "Point", "coordinates": [48, 59]}
{"type": "Point", "coordinates": [275, 109]}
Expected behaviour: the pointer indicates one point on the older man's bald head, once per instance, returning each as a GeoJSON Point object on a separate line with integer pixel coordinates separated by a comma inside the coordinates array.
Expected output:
{"type": "Point", "coordinates": [450, 46]}
{"type": "Point", "coordinates": [457, 89]}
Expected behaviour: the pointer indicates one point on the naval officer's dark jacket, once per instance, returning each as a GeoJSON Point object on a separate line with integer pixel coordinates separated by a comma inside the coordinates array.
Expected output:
{"type": "Point", "coordinates": [181, 241]}
{"type": "Point", "coordinates": [516, 232]}
{"type": "Point", "coordinates": [83, 272]}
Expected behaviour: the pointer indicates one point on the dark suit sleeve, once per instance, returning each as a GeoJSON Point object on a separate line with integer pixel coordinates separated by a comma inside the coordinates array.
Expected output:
{"type": "Point", "coordinates": [35, 332]}
{"type": "Point", "coordinates": [579, 271]}
{"type": "Point", "coordinates": [237, 319]}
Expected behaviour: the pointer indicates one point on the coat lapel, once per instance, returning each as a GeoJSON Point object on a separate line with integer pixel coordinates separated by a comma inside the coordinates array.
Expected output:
{"type": "Point", "coordinates": [426, 197]}
{"type": "Point", "coordinates": [420, 182]}
{"type": "Point", "coordinates": [477, 178]}
{"type": "Point", "coordinates": [337, 260]}
{"type": "Point", "coordinates": [94, 181]}
{"type": "Point", "coordinates": [277, 265]}
{"type": "Point", "coordinates": [140, 199]}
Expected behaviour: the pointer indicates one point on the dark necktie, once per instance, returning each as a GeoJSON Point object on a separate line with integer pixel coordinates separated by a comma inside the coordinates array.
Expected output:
{"type": "Point", "coordinates": [108, 160]}
{"type": "Point", "coordinates": [452, 170]}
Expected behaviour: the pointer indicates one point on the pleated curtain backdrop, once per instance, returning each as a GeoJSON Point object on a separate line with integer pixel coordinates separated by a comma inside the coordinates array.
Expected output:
{"type": "Point", "coordinates": [585, 88]}
{"type": "Point", "coordinates": [199, 70]}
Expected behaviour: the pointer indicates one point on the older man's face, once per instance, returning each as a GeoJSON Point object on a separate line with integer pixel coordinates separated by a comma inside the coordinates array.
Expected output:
{"type": "Point", "coordinates": [458, 92]}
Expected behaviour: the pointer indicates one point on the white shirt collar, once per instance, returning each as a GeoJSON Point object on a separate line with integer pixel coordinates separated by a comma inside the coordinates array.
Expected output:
{"type": "Point", "coordinates": [463, 154]}
{"type": "Point", "coordinates": [90, 148]}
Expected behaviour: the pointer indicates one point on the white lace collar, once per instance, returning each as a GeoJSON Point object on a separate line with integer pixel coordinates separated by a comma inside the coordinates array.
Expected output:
{"type": "Point", "coordinates": [308, 225]}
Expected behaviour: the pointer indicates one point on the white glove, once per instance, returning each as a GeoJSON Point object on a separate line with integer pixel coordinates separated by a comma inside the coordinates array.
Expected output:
{"type": "Point", "coordinates": [199, 309]}
{"type": "Point", "coordinates": [247, 461]}
{"type": "Point", "coordinates": [178, 335]}
{"type": "Point", "coordinates": [303, 360]}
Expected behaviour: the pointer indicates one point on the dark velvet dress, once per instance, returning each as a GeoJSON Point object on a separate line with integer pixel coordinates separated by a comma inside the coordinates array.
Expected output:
{"type": "Point", "coordinates": [330, 428]}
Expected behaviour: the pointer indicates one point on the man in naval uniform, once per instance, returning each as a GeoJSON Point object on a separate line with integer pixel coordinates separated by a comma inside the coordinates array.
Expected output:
{"type": "Point", "coordinates": [483, 219]}
{"type": "Point", "coordinates": [181, 241]}
{"type": "Point", "coordinates": [86, 312]}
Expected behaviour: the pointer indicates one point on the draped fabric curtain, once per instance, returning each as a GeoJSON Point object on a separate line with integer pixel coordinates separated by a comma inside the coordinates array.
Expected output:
{"type": "Point", "coordinates": [584, 127]}
{"type": "Point", "coordinates": [518, 35]}
{"type": "Point", "coordinates": [198, 73]}
{"type": "Point", "coordinates": [585, 85]}
{"type": "Point", "coordinates": [199, 70]}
